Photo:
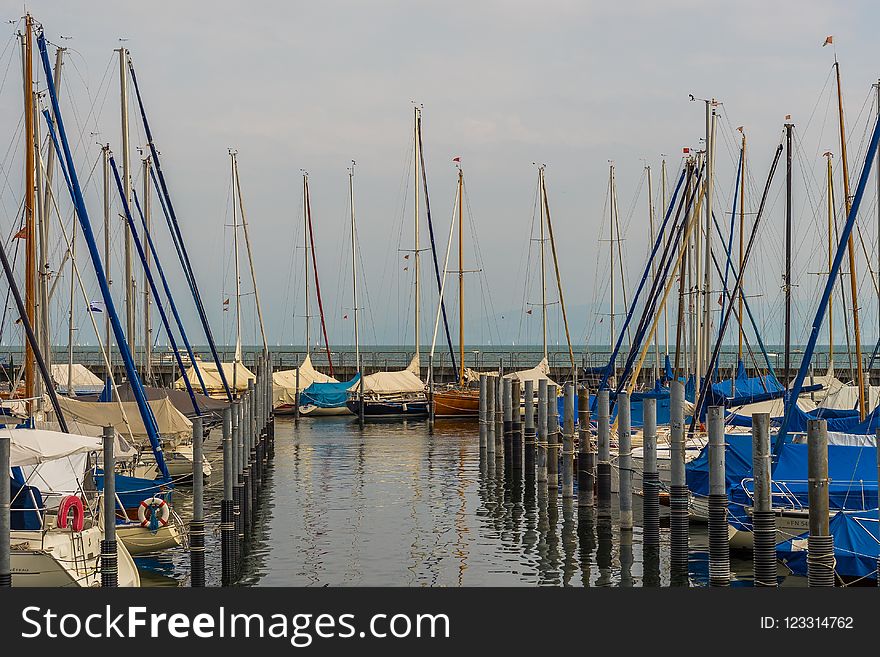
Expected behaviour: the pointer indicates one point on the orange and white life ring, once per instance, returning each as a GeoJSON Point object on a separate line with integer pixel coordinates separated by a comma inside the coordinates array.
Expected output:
{"type": "Point", "coordinates": [71, 503]}
{"type": "Point", "coordinates": [155, 505]}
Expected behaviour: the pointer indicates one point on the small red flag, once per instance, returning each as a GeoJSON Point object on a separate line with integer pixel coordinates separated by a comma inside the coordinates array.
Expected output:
{"type": "Point", "coordinates": [529, 311]}
{"type": "Point", "coordinates": [828, 40]}
{"type": "Point", "coordinates": [456, 159]}
{"type": "Point", "coordinates": [345, 317]}
{"type": "Point", "coordinates": [406, 257]}
{"type": "Point", "coordinates": [685, 150]}
{"type": "Point", "coordinates": [21, 235]}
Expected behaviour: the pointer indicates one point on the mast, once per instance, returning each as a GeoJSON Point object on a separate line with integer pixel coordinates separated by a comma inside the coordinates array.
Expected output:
{"type": "Point", "coordinates": [742, 227]}
{"type": "Point", "coordinates": [706, 322]}
{"type": "Point", "coordinates": [460, 278]}
{"type": "Point", "coordinates": [41, 250]}
{"type": "Point", "coordinates": [416, 263]}
{"type": "Point", "coordinates": [877, 86]}
{"type": "Point", "coordinates": [72, 307]}
{"type": "Point", "coordinates": [663, 205]}
{"type": "Point", "coordinates": [612, 206]}
{"type": "Point", "coordinates": [29, 209]}
{"type": "Point", "coordinates": [148, 327]}
{"type": "Point", "coordinates": [787, 276]}
{"type": "Point", "coordinates": [828, 157]}
{"type": "Point", "coordinates": [543, 273]}
{"type": "Point", "coordinates": [105, 161]}
{"type": "Point", "coordinates": [558, 279]}
{"type": "Point", "coordinates": [653, 267]}
{"type": "Point", "coordinates": [247, 243]}
{"type": "Point", "coordinates": [851, 248]}
{"type": "Point", "coordinates": [237, 358]}
{"type": "Point", "coordinates": [126, 181]}
{"type": "Point", "coordinates": [306, 259]}
{"type": "Point", "coordinates": [354, 286]}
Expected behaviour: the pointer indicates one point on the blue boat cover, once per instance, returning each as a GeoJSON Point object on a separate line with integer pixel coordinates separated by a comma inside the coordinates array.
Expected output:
{"type": "Point", "coordinates": [131, 491]}
{"type": "Point", "coordinates": [328, 395]}
{"type": "Point", "coordinates": [852, 471]}
{"type": "Point", "coordinates": [737, 465]}
{"type": "Point", "coordinates": [856, 543]}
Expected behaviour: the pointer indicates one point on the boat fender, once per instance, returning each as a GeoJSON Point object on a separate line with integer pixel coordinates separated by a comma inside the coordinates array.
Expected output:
{"type": "Point", "coordinates": [159, 513]}
{"type": "Point", "coordinates": [71, 503]}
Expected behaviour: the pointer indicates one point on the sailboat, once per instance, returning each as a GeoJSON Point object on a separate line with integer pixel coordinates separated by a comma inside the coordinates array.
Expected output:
{"type": "Point", "coordinates": [286, 384]}
{"type": "Point", "coordinates": [401, 393]}
{"type": "Point", "coordinates": [329, 397]}
{"type": "Point", "coordinates": [460, 399]}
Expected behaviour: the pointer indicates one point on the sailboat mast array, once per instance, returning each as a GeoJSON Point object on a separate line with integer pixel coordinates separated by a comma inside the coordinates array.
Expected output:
{"type": "Point", "coordinates": [308, 314]}
{"type": "Point", "coordinates": [541, 240]}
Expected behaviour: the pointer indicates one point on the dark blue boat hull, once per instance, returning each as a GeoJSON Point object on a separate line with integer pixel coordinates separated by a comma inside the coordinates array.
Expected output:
{"type": "Point", "coordinates": [376, 409]}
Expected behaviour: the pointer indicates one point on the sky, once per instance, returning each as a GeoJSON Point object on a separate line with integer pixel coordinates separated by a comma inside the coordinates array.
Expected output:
{"type": "Point", "coordinates": [505, 86]}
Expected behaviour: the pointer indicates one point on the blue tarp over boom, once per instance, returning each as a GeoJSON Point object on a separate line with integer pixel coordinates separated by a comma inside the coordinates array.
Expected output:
{"type": "Point", "coordinates": [856, 544]}
{"type": "Point", "coordinates": [328, 395]}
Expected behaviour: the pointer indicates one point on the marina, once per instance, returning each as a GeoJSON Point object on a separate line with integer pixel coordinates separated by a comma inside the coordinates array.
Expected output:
{"type": "Point", "coordinates": [676, 388]}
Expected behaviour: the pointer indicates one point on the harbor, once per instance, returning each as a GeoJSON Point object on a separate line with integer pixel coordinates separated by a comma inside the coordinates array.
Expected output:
{"type": "Point", "coordinates": [220, 368]}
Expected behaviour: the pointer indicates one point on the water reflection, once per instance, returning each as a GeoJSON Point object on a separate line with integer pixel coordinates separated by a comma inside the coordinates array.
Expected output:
{"type": "Point", "coordinates": [395, 504]}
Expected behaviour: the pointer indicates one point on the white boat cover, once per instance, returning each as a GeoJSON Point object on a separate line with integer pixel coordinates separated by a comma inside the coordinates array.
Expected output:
{"type": "Point", "coordinates": [213, 381]}
{"type": "Point", "coordinates": [396, 382]}
{"type": "Point", "coordinates": [82, 379]}
{"type": "Point", "coordinates": [122, 449]}
{"type": "Point", "coordinates": [174, 426]}
{"type": "Point", "coordinates": [847, 397]}
{"type": "Point", "coordinates": [776, 407]}
{"type": "Point", "coordinates": [284, 382]}
{"type": "Point", "coordinates": [35, 446]}
{"type": "Point", "coordinates": [537, 373]}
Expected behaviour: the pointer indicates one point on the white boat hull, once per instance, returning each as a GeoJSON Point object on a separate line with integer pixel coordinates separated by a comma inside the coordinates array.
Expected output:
{"type": "Point", "coordinates": [60, 557]}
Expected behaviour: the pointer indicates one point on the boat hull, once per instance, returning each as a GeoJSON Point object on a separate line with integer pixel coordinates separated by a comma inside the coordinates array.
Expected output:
{"type": "Point", "coordinates": [457, 403]}
{"type": "Point", "coordinates": [311, 410]}
{"type": "Point", "coordinates": [62, 558]}
{"type": "Point", "coordinates": [140, 540]}
{"type": "Point", "coordinates": [381, 409]}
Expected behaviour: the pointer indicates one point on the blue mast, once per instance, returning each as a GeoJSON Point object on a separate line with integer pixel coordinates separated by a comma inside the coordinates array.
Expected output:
{"type": "Point", "coordinates": [657, 242]}
{"type": "Point", "coordinates": [791, 400]}
{"type": "Point", "coordinates": [85, 224]}
{"type": "Point", "coordinates": [152, 283]}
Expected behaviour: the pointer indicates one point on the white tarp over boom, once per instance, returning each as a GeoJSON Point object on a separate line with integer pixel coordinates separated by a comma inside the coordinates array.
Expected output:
{"type": "Point", "coordinates": [537, 373]}
{"type": "Point", "coordinates": [174, 426]}
{"type": "Point", "coordinates": [397, 382]}
{"type": "Point", "coordinates": [213, 381]}
{"type": "Point", "coordinates": [284, 382]}
{"type": "Point", "coordinates": [82, 379]}
{"type": "Point", "coordinates": [35, 446]}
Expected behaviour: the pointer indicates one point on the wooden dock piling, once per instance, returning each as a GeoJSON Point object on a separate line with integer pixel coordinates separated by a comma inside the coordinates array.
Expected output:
{"type": "Point", "coordinates": [586, 456]}
{"type": "Point", "coordinates": [763, 517]}
{"type": "Point", "coordinates": [604, 443]}
{"type": "Point", "coordinates": [568, 443]}
{"type": "Point", "coordinates": [719, 545]}
{"type": "Point", "coordinates": [197, 524]}
{"type": "Point", "coordinates": [678, 490]}
{"type": "Point", "coordinates": [109, 558]}
{"type": "Point", "coordinates": [624, 461]}
{"type": "Point", "coordinates": [650, 475]}
{"type": "Point", "coordinates": [820, 544]}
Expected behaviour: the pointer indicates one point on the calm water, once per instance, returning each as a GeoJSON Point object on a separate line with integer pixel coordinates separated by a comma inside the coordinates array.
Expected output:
{"type": "Point", "coordinates": [397, 506]}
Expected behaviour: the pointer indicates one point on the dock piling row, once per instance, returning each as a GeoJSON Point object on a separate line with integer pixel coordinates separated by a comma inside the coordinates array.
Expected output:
{"type": "Point", "coordinates": [763, 517]}
{"type": "Point", "coordinates": [719, 545]}
{"type": "Point", "coordinates": [820, 544]}
{"type": "Point", "coordinates": [586, 456]}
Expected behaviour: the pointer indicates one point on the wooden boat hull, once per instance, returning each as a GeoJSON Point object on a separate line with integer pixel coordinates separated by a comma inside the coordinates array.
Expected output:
{"type": "Point", "coordinates": [457, 402]}
{"type": "Point", "coordinates": [382, 409]}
